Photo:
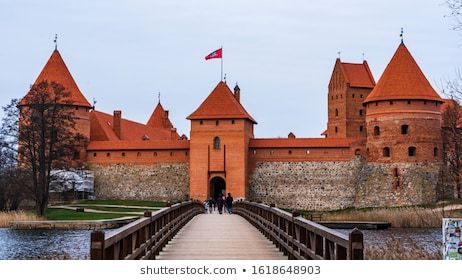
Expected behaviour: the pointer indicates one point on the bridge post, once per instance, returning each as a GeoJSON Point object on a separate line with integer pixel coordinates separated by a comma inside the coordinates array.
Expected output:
{"type": "Point", "coordinates": [97, 245]}
{"type": "Point", "coordinates": [356, 246]}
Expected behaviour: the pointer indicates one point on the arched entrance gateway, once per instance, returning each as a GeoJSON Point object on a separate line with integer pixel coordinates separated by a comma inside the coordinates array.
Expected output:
{"type": "Point", "coordinates": [217, 187]}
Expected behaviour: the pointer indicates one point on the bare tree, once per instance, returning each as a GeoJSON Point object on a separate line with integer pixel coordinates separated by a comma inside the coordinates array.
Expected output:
{"type": "Point", "coordinates": [452, 146]}
{"type": "Point", "coordinates": [456, 12]}
{"type": "Point", "coordinates": [41, 129]}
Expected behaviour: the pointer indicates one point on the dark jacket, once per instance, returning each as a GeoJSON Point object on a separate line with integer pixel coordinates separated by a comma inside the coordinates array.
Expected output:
{"type": "Point", "coordinates": [229, 201]}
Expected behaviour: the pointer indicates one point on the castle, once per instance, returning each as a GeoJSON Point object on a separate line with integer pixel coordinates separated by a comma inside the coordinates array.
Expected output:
{"type": "Point", "coordinates": [382, 147]}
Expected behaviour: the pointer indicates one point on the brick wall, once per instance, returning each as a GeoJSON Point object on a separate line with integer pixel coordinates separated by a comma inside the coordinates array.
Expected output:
{"type": "Point", "coordinates": [158, 182]}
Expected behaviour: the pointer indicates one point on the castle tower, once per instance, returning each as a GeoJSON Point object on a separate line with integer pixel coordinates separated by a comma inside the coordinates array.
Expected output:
{"type": "Point", "coordinates": [349, 85]}
{"type": "Point", "coordinates": [55, 70]}
{"type": "Point", "coordinates": [403, 114]}
{"type": "Point", "coordinates": [220, 132]}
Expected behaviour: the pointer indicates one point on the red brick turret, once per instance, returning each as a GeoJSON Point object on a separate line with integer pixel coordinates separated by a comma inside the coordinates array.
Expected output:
{"type": "Point", "coordinates": [403, 114]}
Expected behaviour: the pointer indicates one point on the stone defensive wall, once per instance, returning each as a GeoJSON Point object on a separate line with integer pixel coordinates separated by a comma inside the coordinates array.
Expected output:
{"type": "Point", "coordinates": [146, 171]}
{"type": "Point", "coordinates": [337, 183]}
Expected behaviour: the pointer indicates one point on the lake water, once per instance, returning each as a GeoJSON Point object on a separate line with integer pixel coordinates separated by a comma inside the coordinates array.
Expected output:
{"type": "Point", "coordinates": [75, 244]}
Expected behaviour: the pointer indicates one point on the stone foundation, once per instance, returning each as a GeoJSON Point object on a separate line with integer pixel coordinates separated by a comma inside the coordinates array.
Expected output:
{"type": "Point", "coordinates": [338, 185]}
{"type": "Point", "coordinates": [159, 182]}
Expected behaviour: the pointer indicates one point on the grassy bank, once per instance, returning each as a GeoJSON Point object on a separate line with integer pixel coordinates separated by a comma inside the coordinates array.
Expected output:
{"type": "Point", "coordinates": [7, 217]}
{"type": "Point", "coordinates": [124, 203]}
{"type": "Point", "coordinates": [425, 216]}
{"type": "Point", "coordinates": [394, 249]}
{"type": "Point", "coordinates": [67, 215]}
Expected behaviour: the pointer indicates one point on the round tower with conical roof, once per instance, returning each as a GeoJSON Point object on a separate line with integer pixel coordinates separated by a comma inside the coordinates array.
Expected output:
{"type": "Point", "coordinates": [403, 116]}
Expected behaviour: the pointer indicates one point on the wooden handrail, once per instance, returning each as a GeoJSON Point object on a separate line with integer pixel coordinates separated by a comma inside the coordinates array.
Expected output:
{"type": "Point", "coordinates": [299, 238]}
{"type": "Point", "coordinates": [145, 237]}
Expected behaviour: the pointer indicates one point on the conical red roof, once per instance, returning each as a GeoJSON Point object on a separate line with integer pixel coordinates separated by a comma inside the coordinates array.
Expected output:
{"type": "Point", "coordinates": [55, 70]}
{"type": "Point", "coordinates": [159, 118]}
{"type": "Point", "coordinates": [403, 79]}
{"type": "Point", "coordinates": [221, 104]}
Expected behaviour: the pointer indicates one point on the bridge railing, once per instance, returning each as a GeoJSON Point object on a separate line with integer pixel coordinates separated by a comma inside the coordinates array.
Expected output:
{"type": "Point", "coordinates": [299, 238]}
{"type": "Point", "coordinates": [145, 237]}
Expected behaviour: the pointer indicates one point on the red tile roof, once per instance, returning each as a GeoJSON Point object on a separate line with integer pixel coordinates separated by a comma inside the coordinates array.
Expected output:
{"type": "Point", "coordinates": [221, 104]}
{"type": "Point", "coordinates": [402, 79]}
{"type": "Point", "coordinates": [55, 70]}
{"type": "Point", "coordinates": [159, 118]}
{"type": "Point", "coordinates": [357, 74]}
{"type": "Point", "coordinates": [138, 145]}
{"type": "Point", "coordinates": [102, 130]}
{"type": "Point", "coordinates": [300, 143]}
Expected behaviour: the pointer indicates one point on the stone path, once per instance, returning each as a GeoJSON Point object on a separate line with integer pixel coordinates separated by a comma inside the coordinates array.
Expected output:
{"type": "Point", "coordinates": [220, 237]}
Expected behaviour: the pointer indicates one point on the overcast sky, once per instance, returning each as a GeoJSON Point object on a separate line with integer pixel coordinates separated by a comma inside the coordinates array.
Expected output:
{"type": "Point", "coordinates": [280, 52]}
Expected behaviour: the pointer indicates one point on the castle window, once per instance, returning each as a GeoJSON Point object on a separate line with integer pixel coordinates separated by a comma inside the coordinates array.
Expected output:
{"type": "Point", "coordinates": [425, 102]}
{"type": "Point", "coordinates": [232, 121]}
{"type": "Point", "coordinates": [201, 122]}
{"type": "Point", "coordinates": [94, 154]}
{"type": "Point", "coordinates": [386, 152]}
{"type": "Point", "coordinates": [411, 151]}
{"type": "Point", "coordinates": [357, 152]}
{"type": "Point", "coordinates": [341, 96]}
{"type": "Point", "coordinates": [391, 102]}
{"type": "Point", "coordinates": [353, 96]}
{"type": "Point", "coordinates": [336, 112]}
{"type": "Point", "coordinates": [254, 152]}
{"type": "Point", "coordinates": [108, 154]}
{"type": "Point", "coordinates": [171, 154]}
{"type": "Point", "coordinates": [217, 123]}
{"type": "Point", "coordinates": [138, 154]}
{"type": "Point", "coordinates": [123, 154]}
{"type": "Point", "coordinates": [216, 143]}
{"type": "Point", "coordinates": [155, 154]}
{"type": "Point", "coordinates": [409, 102]}
{"type": "Point", "coordinates": [376, 130]}
{"type": "Point", "coordinates": [76, 108]}
{"type": "Point", "coordinates": [307, 152]}
{"type": "Point", "coordinates": [360, 128]}
{"type": "Point", "coordinates": [361, 96]}
{"type": "Point", "coordinates": [361, 112]}
{"type": "Point", "coordinates": [404, 129]}
{"type": "Point", "coordinates": [186, 153]}
{"type": "Point", "coordinates": [376, 103]}
{"type": "Point", "coordinates": [435, 152]}
{"type": "Point", "coordinates": [290, 152]}
{"type": "Point", "coordinates": [336, 129]}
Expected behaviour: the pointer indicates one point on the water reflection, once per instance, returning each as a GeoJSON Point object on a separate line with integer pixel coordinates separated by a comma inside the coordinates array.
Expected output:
{"type": "Point", "coordinates": [44, 244]}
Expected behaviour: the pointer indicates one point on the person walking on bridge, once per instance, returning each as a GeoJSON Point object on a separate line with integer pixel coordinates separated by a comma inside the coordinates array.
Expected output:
{"type": "Point", "coordinates": [220, 203]}
{"type": "Point", "coordinates": [229, 203]}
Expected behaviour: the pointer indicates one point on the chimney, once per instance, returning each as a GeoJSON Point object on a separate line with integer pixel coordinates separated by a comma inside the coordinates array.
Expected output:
{"type": "Point", "coordinates": [237, 93]}
{"type": "Point", "coordinates": [164, 120]}
{"type": "Point", "coordinates": [116, 123]}
{"type": "Point", "coordinates": [173, 134]}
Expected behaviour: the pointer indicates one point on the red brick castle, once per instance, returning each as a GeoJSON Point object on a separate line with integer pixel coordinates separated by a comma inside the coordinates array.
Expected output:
{"type": "Point", "coordinates": [382, 146]}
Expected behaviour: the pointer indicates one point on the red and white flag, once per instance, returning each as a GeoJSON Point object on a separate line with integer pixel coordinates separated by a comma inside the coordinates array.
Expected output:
{"type": "Point", "coordinates": [216, 54]}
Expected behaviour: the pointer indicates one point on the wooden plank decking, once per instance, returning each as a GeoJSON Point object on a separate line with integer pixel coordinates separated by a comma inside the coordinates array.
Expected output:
{"type": "Point", "coordinates": [220, 237]}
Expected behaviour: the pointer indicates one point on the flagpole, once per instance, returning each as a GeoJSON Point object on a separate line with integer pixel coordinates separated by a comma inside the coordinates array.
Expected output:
{"type": "Point", "coordinates": [221, 77]}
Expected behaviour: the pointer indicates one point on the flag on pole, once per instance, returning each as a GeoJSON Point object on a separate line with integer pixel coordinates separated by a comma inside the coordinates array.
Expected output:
{"type": "Point", "coordinates": [215, 54]}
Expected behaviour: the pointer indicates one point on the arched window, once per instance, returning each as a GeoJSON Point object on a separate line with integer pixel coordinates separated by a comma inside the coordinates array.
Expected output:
{"type": "Point", "coordinates": [404, 129]}
{"type": "Point", "coordinates": [216, 143]}
{"type": "Point", "coordinates": [376, 130]}
{"type": "Point", "coordinates": [386, 152]}
{"type": "Point", "coordinates": [360, 128]}
{"type": "Point", "coordinates": [357, 152]}
{"type": "Point", "coordinates": [411, 151]}
{"type": "Point", "coordinates": [336, 112]}
{"type": "Point", "coordinates": [435, 152]}
{"type": "Point", "coordinates": [361, 112]}
{"type": "Point", "coordinates": [336, 129]}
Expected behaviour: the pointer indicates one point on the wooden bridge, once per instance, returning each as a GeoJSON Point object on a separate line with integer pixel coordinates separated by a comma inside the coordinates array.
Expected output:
{"type": "Point", "coordinates": [256, 232]}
